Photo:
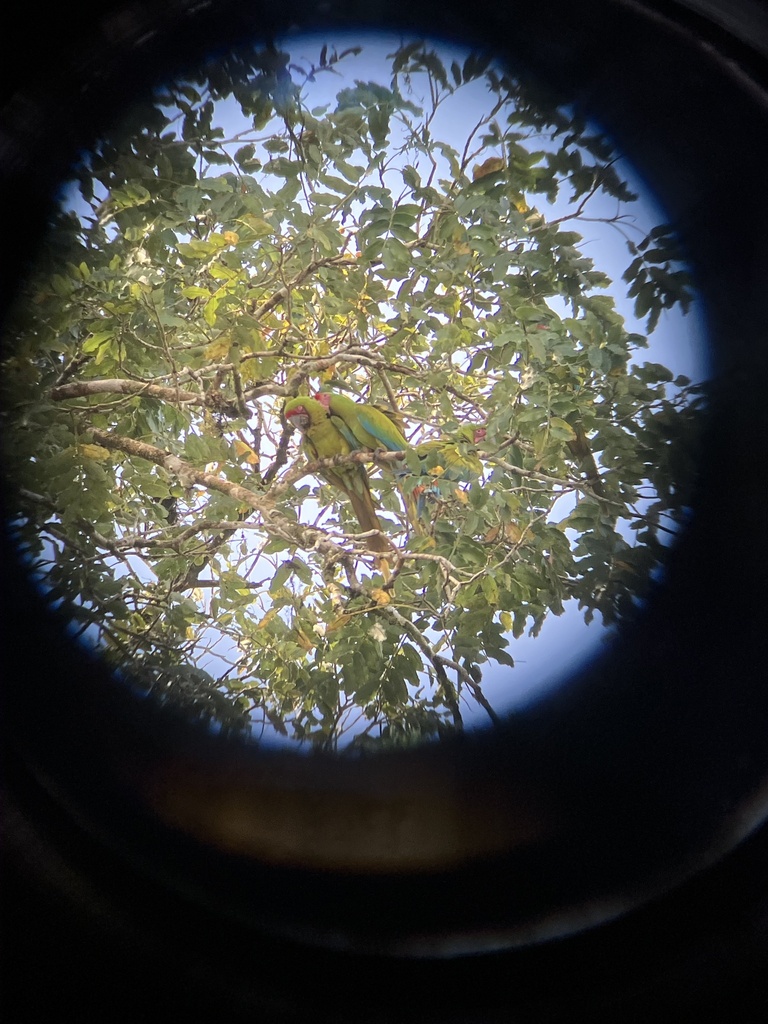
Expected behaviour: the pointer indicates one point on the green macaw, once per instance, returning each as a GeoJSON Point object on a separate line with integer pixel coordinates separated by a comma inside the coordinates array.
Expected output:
{"type": "Point", "coordinates": [451, 457]}
{"type": "Point", "coordinates": [456, 453]}
{"type": "Point", "coordinates": [373, 427]}
{"type": "Point", "coordinates": [321, 439]}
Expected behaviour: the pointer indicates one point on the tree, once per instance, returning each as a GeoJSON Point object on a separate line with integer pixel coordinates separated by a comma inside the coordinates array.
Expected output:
{"type": "Point", "coordinates": [198, 278]}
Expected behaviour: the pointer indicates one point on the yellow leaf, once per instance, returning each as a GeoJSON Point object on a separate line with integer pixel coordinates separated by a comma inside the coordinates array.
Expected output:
{"type": "Point", "coordinates": [232, 237]}
{"type": "Point", "coordinates": [461, 495]}
{"type": "Point", "coordinates": [246, 454]}
{"type": "Point", "coordinates": [303, 640]}
{"type": "Point", "coordinates": [381, 597]}
{"type": "Point", "coordinates": [95, 452]}
{"type": "Point", "coordinates": [489, 166]}
{"type": "Point", "coordinates": [267, 618]}
{"type": "Point", "coordinates": [511, 531]}
{"type": "Point", "coordinates": [218, 350]}
{"type": "Point", "coordinates": [342, 620]}
{"type": "Point", "coordinates": [251, 371]}
{"type": "Point", "coordinates": [256, 224]}
{"type": "Point", "coordinates": [506, 621]}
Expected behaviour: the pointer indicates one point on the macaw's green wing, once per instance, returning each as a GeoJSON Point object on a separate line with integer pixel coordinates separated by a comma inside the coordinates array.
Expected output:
{"type": "Point", "coordinates": [382, 429]}
{"type": "Point", "coordinates": [345, 432]}
{"type": "Point", "coordinates": [369, 426]}
{"type": "Point", "coordinates": [324, 437]}
{"type": "Point", "coordinates": [391, 414]}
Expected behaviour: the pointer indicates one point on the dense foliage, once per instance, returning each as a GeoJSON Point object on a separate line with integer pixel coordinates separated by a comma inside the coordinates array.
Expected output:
{"type": "Point", "coordinates": [198, 275]}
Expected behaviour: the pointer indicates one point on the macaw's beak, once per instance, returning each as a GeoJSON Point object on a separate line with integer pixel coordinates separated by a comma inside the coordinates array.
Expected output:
{"type": "Point", "coordinates": [298, 419]}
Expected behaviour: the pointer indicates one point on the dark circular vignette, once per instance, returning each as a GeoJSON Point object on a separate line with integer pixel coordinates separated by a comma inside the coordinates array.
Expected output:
{"type": "Point", "coordinates": [650, 766]}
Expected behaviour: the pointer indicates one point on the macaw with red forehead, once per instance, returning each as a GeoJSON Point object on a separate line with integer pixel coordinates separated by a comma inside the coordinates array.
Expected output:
{"type": "Point", "coordinates": [322, 440]}
{"type": "Point", "coordinates": [375, 428]}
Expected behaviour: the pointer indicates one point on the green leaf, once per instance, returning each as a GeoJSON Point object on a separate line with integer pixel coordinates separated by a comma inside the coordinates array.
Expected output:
{"type": "Point", "coordinates": [334, 184]}
{"type": "Point", "coordinates": [129, 196]}
{"type": "Point", "coordinates": [411, 176]}
{"type": "Point", "coordinates": [302, 570]}
{"type": "Point", "coordinates": [244, 154]}
{"type": "Point", "coordinates": [96, 340]}
{"type": "Point", "coordinates": [646, 297]}
{"type": "Point", "coordinates": [280, 578]}
{"type": "Point", "coordinates": [209, 310]}
{"type": "Point", "coordinates": [490, 590]}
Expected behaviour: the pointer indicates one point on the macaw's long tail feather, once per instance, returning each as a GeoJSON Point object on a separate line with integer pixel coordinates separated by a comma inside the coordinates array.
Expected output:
{"type": "Point", "coordinates": [420, 495]}
{"type": "Point", "coordinates": [413, 507]}
{"type": "Point", "coordinates": [362, 503]}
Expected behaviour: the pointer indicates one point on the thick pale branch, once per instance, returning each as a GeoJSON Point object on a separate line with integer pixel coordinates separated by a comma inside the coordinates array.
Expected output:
{"type": "Point", "coordinates": [84, 388]}
{"type": "Point", "coordinates": [120, 386]}
{"type": "Point", "coordinates": [274, 522]}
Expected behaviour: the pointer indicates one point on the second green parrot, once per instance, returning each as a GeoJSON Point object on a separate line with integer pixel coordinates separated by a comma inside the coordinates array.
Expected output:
{"type": "Point", "coordinates": [456, 454]}
{"type": "Point", "coordinates": [323, 440]}
{"type": "Point", "coordinates": [451, 457]}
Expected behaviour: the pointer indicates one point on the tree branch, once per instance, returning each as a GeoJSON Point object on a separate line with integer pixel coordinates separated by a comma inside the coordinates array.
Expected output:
{"type": "Point", "coordinates": [438, 660]}
{"type": "Point", "coordinates": [274, 523]}
{"type": "Point", "coordinates": [120, 386]}
{"type": "Point", "coordinates": [282, 293]}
